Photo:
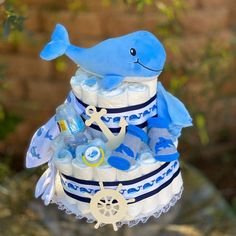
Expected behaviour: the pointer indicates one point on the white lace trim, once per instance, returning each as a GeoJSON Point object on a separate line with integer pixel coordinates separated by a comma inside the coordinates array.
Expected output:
{"type": "Point", "coordinates": [141, 219]}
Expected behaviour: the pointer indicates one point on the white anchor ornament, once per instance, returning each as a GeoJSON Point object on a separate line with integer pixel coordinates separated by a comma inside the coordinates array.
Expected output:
{"type": "Point", "coordinates": [95, 116]}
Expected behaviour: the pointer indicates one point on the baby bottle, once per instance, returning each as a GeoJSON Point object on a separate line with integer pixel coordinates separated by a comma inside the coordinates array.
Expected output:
{"type": "Point", "coordinates": [71, 126]}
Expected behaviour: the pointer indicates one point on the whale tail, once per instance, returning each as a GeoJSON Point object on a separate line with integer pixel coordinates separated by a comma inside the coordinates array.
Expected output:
{"type": "Point", "coordinates": [58, 44]}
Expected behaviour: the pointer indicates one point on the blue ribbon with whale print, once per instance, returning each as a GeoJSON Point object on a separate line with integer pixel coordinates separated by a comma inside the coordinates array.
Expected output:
{"type": "Point", "coordinates": [139, 188]}
{"type": "Point", "coordinates": [134, 115]}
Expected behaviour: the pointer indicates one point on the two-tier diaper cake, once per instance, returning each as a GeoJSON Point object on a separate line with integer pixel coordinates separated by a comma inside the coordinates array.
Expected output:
{"type": "Point", "coordinates": [111, 148]}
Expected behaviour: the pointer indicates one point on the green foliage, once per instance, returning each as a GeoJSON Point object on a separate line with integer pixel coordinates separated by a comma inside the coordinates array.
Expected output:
{"type": "Point", "coordinates": [140, 4]}
{"type": "Point", "coordinates": [8, 122]}
{"type": "Point", "coordinates": [13, 20]}
{"type": "Point", "coordinates": [2, 68]}
{"type": "Point", "coordinates": [201, 126]}
{"type": "Point", "coordinates": [77, 6]}
{"type": "Point", "coordinates": [171, 27]}
{"type": "Point", "coordinates": [60, 64]}
{"type": "Point", "coordinates": [4, 171]}
{"type": "Point", "coordinates": [9, 22]}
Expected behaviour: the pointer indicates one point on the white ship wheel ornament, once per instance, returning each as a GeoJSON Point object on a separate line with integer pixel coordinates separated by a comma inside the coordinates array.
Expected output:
{"type": "Point", "coordinates": [95, 116]}
{"type": "Point", "coordinates": [108, 206]}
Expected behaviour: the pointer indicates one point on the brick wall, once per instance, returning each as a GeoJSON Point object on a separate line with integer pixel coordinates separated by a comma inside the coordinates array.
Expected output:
{"type": "Point", "coordinates": [35, 87]}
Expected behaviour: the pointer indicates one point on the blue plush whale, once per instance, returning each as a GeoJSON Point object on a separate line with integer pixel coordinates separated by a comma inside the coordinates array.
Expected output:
{"type": "Point", "coordinates": [138, 54]}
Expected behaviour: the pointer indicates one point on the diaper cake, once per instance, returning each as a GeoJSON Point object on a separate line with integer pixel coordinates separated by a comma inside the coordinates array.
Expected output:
{"type": "Point", "coordinates": [111, 148]}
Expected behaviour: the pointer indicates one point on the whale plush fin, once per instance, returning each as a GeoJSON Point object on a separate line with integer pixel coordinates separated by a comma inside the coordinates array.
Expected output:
{"type": "Point", "coordinates": [173, 110]}
{"type": "Point", "coordinates": [58, 44]}
{"type": "Point", "coordinates": [110, 82]}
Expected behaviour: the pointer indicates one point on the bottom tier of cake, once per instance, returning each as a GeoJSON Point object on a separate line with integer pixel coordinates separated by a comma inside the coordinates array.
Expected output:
{"type": "Point", "coordinates": [152, 193]}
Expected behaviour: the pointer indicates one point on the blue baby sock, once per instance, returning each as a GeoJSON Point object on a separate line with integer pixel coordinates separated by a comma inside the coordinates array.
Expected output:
{"type": "Point", "coordinates": [160, 140]}
{"type": "Point", "coordinates": [128, 152]}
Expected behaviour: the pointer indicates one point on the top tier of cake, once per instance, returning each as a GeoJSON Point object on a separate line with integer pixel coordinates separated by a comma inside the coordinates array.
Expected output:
{"type": "Point", "coordinates": [87, 88]}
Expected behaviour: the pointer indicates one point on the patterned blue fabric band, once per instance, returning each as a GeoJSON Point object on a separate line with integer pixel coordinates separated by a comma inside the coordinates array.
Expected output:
{"type": "Point", "coordinates": [139, 188]}
{"type": "Point", "coordinates": [134, 115]}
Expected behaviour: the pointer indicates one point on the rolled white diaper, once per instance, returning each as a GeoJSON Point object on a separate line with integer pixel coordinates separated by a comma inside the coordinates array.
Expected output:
{"type": "Point", "coordinates": [132, 173]}
{"type": "Point", "coordinates": [76, 86]}
{"type": "Point", "coordinates": [152, 84]}
{"type": "Point", "coordinates": [105, 173]}
{"type": "Point", "coordinates": [115, 98]}
{"type": "Point", "coordinates": [77, 80]}
{"type": "Point", "coordinates": [62, 160]}
{"type": "Point", "coordinates": [178, 181]}
{"type": "Point", "coordinates": [164, 196]}
{"type": "Point", "coordinates": [137, 93]}
{"type": "Point", "coordinates": [89, 88]}
{"type": "Point", "coordinates": [177, 184]}
{"type": "Point", "coordinates": [148, 164]}
{"type": "Point", "coordinates": [81, 171]}
{"type": "Point", "coordinates": [134, 209]}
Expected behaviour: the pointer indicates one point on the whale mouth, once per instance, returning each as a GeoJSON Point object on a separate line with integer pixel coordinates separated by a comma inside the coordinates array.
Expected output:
{"type": "Point", "coordinates": [138, 62]}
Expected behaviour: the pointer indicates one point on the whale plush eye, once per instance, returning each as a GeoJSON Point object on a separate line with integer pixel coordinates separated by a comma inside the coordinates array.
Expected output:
{"type": "Point", "coordinates": [132, 51]}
